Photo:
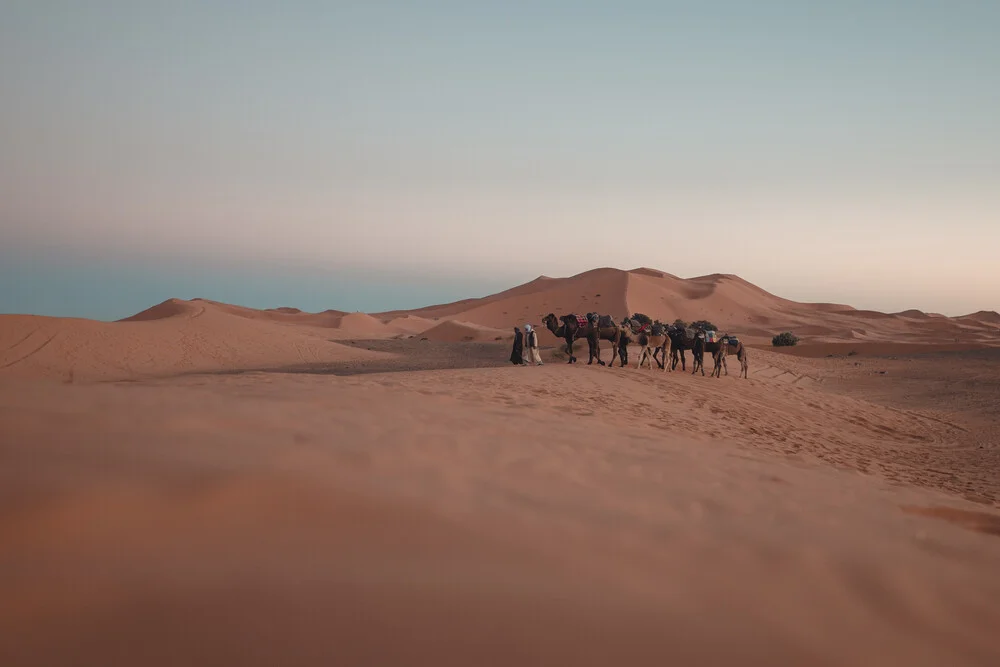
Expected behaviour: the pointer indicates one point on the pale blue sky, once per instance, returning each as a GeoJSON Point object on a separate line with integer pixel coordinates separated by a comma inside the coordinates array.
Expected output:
{"type": "Point", "coordinates": [372, 155]}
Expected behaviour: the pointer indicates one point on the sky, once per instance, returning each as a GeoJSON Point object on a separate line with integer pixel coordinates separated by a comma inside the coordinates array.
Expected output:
{"type": "Point", "coordinates": [376, 155]}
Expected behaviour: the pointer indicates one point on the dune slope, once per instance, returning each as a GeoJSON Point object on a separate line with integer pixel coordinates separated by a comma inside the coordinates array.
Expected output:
{"type": "Point", "coordinates": [172, 338]}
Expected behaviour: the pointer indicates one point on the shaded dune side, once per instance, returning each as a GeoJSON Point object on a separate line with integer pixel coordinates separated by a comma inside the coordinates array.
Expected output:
{"type": "Point", "coordinates": [454, 331]}
{"type": "Point", "coordinates": [161, 311]}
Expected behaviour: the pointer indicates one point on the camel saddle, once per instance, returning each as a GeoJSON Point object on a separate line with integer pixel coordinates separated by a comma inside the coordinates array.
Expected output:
{"type": "Point", "coordinates": [658, 329]}
{"type": "Point", "coordinates": [605, 321]}
{"type": "Point", "coordinates": [581, 321]}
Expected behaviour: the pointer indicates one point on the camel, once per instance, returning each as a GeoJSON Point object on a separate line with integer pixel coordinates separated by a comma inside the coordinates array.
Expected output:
{"type": "Point", "coordinates": [645, 354]}
{"type": "Point", "coordinates": [570, 330]}
{"type": "Point", "coordinates": [696, 344]}
{"type": "Point", "coordinates": [726, 348]}
{"type": "Point", "coordinates": [679, 342]}
{"type": "Point", "coordinates": [620, 345]}
{"type": "Point", "coordinates": [618, 339]}
{"type": "Point", "coordinates": [698, 352]}
{"type": "Point", "coordinates": [659, 342]}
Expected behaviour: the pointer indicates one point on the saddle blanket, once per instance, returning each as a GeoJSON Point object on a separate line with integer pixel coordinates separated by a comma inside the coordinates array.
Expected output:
{"type": "Point", "coordinates": [581, 321]}
{"type": "Point", "coordinates": [712, 336]}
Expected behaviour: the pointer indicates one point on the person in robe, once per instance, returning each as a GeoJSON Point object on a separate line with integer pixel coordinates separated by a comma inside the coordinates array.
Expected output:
{"type": "Point", "coordinates": [531, 346]}
{"type": "Point", "coordinates": [517, 354]}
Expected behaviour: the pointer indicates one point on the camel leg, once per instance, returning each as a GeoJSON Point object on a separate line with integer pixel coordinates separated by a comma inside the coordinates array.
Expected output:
{"type": "Point", "coordinates": [595, 352]}
{"type": "Point", "coordinates": [569, 351]}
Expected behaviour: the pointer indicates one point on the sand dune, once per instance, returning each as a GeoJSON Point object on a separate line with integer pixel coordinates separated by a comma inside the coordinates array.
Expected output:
{"type": "Point", "coordinates": [600, 290]}
{"type": "Point", "coordinates": [453, 331]}
{"type": "Point", "coordinates": [410, 324]}
{"type": "Point", "coordinates": [167, 309]}
{"type": "Point", "coordinates": [984, 316]}
{"type": "Point", "coordinates": [182, 336]}
{"type": "Point", "coordinates": [172, 338]}
{"type": "Point", "coordinates": [728, 301]}
{"type": "Point", "coordinates": [361, 325]}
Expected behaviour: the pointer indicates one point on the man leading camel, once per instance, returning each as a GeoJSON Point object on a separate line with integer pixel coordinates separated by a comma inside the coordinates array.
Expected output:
{"type": "Point", "coordinates": [531, 346]}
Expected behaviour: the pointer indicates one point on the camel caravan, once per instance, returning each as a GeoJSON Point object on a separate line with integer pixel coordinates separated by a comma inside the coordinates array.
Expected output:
{"type": "Point", "coordinates": [664, 344]}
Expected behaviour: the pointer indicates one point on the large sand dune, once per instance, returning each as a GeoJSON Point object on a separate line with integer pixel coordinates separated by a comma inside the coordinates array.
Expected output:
{"type": "Point", "coordinates": [728, 301]}
{"type": "Point", "coordinates": [172, 338]}
{"type": "Point", "coordinates": [201, 335]}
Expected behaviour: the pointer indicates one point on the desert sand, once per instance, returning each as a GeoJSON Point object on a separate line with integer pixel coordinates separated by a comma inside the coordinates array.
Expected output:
{"type": "Point", "coordinates": [205, 483]}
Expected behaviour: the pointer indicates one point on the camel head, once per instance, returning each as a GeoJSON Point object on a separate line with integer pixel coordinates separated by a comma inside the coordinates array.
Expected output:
{"type": "Point", "coordinates": [634, 325]}
{"type": "Point", "coordinates": [552, 323]}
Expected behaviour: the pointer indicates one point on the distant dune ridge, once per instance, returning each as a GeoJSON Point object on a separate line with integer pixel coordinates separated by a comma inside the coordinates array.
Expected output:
{"type": "Point", "coordinates": [179, 336]}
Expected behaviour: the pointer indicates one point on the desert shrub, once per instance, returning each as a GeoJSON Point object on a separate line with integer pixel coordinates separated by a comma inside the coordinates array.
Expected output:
{"type": "Point", "coordinates": [704, 324]}
{"type": "Point", "coordinates": [785, 339]}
